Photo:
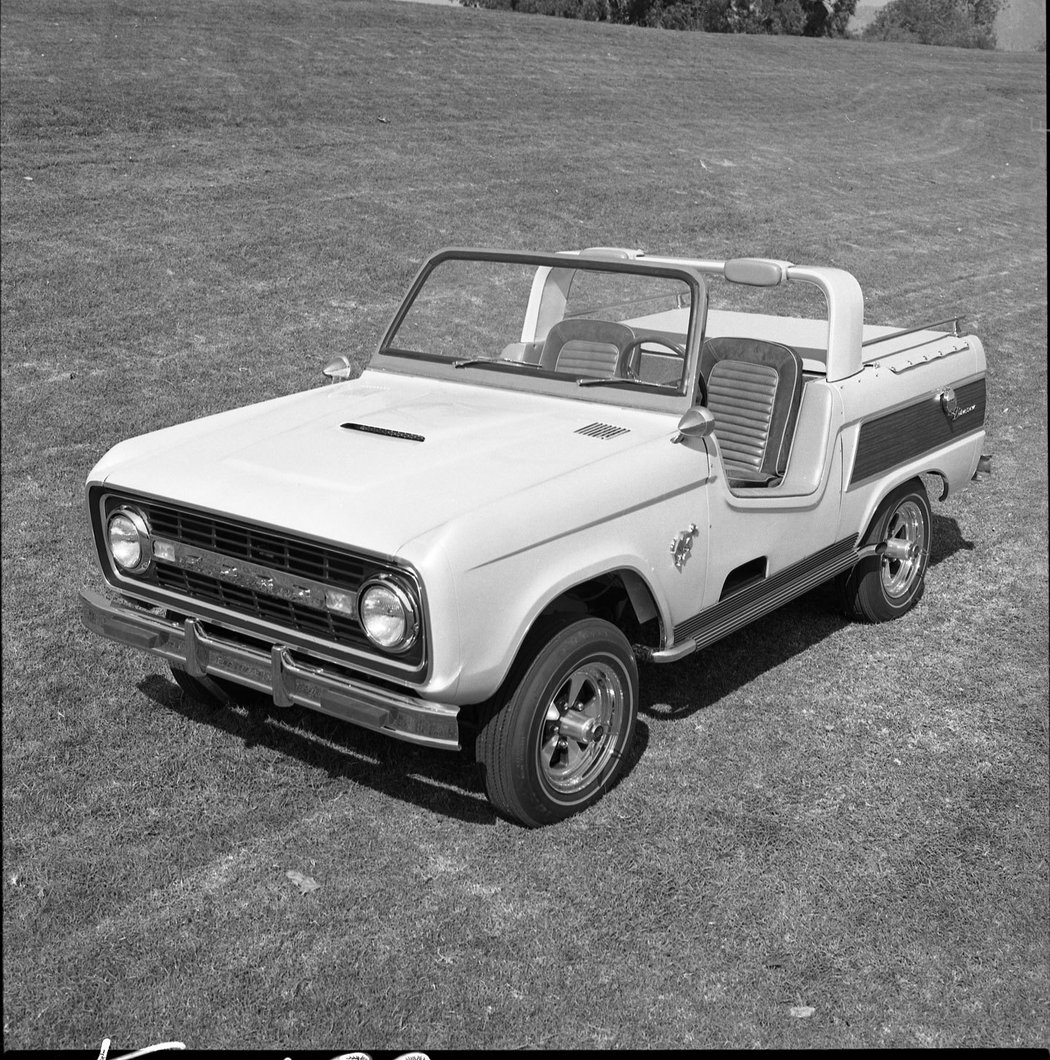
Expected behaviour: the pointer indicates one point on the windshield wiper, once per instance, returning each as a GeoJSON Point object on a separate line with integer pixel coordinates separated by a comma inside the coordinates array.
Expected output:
{"type": "Point", "coordinates": [613, 381]}
{"type": "Point", "coordinates": [469, 362]}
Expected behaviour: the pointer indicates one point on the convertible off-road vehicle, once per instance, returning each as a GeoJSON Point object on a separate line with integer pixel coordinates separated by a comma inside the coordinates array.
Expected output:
{"type": "Point", "coordinates": [555, 466]}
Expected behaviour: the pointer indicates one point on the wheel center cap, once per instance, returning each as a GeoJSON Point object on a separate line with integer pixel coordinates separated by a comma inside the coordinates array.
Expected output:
{"type": "Point", "coordinates": [579, 727]}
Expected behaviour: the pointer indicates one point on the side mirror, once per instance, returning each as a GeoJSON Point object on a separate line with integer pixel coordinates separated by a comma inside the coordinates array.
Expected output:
{"type": "Point", "coordinates": [697, 423]}
{"type": "Point", "coordinates": [337, 370]}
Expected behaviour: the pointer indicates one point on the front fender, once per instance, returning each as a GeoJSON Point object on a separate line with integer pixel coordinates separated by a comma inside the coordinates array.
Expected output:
{"type": "Point", "coordinates": [489, 575]}
{"type": "Point", "coordinates": [498, 643]}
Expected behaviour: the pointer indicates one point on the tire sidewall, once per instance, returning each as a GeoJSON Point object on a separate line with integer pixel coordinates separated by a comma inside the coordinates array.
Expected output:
{"type": "Point", "coordinates": [553, 660]}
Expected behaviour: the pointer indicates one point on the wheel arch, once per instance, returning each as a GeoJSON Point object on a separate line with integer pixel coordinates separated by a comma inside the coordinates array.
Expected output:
{"type": "Point", "coordinates": [622, 595]}
{"type": "Point", "coordinates": [934, 476]}
{"type": "Point", "coordinates": [889, 577]}
{"type": "Point", "coordinates": [877, 506]}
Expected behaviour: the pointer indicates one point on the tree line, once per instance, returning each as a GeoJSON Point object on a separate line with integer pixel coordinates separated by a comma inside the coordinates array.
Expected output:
{"type": "Point", "coordinates": [960, 23]}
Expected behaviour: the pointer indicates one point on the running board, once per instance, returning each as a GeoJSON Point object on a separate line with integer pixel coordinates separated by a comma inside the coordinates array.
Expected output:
{"type": "Point", "coordinates": [754, 601]}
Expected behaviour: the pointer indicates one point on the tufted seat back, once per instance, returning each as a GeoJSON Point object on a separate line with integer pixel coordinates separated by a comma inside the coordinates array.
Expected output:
{"type": "Point", "coordinates": [586, 347]}
{"type": "Point", "coordinates": [754, 389]}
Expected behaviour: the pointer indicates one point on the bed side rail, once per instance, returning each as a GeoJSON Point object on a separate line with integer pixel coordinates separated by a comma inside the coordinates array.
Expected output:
{"type": "Point", "coordinates": [954, 321]}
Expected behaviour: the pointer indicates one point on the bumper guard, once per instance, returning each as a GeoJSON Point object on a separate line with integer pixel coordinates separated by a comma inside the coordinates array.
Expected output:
{"type": "Point", "coordinates": [288, 680]}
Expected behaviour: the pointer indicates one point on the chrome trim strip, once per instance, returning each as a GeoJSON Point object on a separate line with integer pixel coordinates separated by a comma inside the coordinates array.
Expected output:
{"type": "Point", "coordinates": [252, 576]}
{"type": "Point", "coordinates": [288, 679]}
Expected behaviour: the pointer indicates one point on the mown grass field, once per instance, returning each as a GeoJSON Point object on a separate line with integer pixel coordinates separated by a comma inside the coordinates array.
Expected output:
{"type": "Point", "coordinates": [204, 202]}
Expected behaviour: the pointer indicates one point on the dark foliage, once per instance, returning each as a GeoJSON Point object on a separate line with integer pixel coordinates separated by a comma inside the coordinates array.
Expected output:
{"type": "Point", "coordinates": [956, 23]}
{"type": "Point", "coordinates": [809, 18]}
{"type": "Point", "coordinates": [587, 10]}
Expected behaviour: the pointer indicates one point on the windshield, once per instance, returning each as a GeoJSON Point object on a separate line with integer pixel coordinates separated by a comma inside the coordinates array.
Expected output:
{"type": "Point", "coordinates": [578, 324]}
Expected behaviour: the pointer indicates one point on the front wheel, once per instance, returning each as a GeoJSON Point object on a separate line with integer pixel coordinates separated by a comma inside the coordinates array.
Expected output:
{"type": "Point", "coordinates": [555, 739]}
{"type": "Point", "coordinates": [891, 582]}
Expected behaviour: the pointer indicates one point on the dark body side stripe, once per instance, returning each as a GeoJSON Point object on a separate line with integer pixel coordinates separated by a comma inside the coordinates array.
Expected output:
{"type": "Point", "coordinates": [756, 600]}
{"type": "Point", "coordinates": [915, 429]}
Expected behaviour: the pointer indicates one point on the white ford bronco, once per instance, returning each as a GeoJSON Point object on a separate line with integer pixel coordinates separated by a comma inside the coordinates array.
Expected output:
{"type": "Point", "coordinates": [554, 467]}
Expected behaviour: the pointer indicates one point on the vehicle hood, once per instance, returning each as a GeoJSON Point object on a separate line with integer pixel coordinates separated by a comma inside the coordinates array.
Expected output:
{"type": "Point", "coordinates": [417, 454]}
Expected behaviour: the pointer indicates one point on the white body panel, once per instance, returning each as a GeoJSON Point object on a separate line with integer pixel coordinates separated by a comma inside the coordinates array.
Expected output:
{"type": "Point", "coordinates": [500, 505]}
{"type": "Point", "coordinates": [502, 501]}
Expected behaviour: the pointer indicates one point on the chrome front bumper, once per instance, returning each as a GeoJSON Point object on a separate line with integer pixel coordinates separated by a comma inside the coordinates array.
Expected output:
{"type": "Point", "coordinates": [288, 680]}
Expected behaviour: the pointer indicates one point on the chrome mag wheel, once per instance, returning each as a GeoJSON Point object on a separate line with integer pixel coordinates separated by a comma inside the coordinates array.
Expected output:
{"type": "Point", "coordinates": [582, 724]}
{"type": "Point", "coordinates": [889, 581]}
{"type": "Point", "coordinates": [556, 737]}
{"type": "Point", "coordinates": [907, 550]}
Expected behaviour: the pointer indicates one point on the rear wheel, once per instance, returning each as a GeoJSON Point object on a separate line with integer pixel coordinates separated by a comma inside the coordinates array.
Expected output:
{"type": "Point", "coordinates": [891, 582]}
{"type": "Point", "coordinates": [556, 738]}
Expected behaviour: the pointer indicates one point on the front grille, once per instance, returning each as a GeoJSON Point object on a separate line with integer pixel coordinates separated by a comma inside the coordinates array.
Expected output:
{"type": "Point", "coordinates": [275, 550]}
{"type": "Point", "coordinates": [324, 624]}
{"type": "Point", "coordinates": [257, 545]}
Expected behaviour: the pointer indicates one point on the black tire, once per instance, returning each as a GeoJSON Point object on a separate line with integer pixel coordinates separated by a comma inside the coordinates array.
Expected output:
{"type": "Point", "coordinates": [891, 583]}
{"type": "Point", "coordinates": [211, 692]}
{"type": "Point", "coordinates": [556, 738]}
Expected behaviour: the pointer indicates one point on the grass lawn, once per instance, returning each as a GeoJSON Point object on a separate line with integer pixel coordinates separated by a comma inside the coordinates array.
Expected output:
{"type": "Point", "coordinates": [831, 835]}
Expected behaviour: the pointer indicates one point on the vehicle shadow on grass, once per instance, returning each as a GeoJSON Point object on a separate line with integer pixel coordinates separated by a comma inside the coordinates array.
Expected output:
{"type": "Point", "coordinates": [439, 781]}
{"type": "Point", "coordinates": [670, 693]}
{"type": "Point", "coordinates": [451, 783]}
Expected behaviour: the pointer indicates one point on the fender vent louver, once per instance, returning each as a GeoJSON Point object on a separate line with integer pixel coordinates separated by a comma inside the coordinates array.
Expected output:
{"type": "Point", "coordinates": [385, 431]}
{"type": "Point", "coordinates": [602, 430]}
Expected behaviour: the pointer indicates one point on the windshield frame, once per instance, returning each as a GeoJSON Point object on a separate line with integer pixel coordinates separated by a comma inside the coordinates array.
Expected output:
{"type": "Point", "coordinates": [489, 373]}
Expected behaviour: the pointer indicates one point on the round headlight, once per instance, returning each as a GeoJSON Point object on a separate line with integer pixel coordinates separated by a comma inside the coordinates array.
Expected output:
{"type": "Point", "coordinates": [388, 614]}
{"type": "Point", "coordinates": [129, 543]}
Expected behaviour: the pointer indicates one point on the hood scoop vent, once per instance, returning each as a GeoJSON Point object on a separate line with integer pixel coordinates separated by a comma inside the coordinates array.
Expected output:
{"type": "Point", "coordinates": [386, 432]}
{"type": "Point", "coordinates": [602, 430]}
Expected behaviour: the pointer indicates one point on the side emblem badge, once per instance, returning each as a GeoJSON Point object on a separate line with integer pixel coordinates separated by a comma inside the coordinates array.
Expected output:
{"type": "Point", "coordinates": [682, 545]}
{"type": "Point", "coordinates": [950, 405]}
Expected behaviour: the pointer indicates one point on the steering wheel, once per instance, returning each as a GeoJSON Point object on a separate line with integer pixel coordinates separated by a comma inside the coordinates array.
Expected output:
{"type": "Point", "coordinates": [633, 349]}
